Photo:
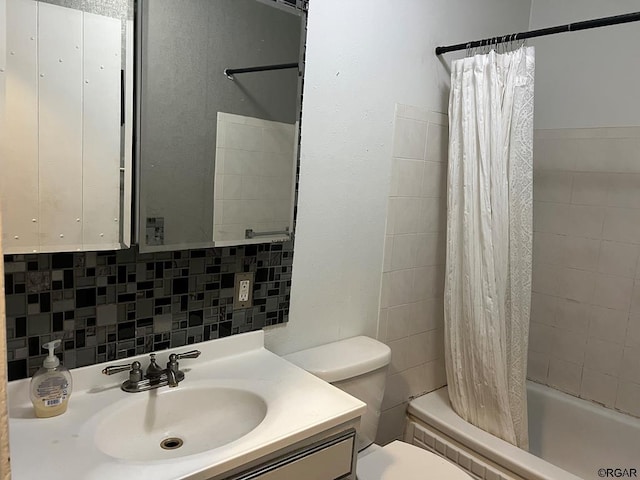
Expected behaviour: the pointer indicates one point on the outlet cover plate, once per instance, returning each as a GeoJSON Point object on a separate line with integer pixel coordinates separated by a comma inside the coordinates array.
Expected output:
{"type": "Point", "coordinates": [242, 277]}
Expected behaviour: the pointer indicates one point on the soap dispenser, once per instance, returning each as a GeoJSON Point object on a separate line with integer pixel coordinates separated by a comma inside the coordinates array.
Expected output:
{"type": "Point", "coordinates": [51, 385]}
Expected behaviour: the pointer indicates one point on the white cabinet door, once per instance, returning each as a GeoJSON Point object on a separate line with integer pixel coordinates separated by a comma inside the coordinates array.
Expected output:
{"type": "Point", "coordinates": [59, 129]}
{"type": "Point", "coordinates": [60, 187]}
{"type": "Point", "coordinates": [19, 159]}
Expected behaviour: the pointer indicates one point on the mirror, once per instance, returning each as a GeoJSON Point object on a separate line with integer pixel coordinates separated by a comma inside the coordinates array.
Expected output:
{"type": "Point", "coordinates": [217, 137]}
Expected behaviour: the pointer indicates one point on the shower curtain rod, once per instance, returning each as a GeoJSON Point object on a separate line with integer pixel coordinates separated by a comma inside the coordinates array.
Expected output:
{"type": "Point", "coordinates": [570, 27]}
{"type": "Point", "coordinates": [230, 72]}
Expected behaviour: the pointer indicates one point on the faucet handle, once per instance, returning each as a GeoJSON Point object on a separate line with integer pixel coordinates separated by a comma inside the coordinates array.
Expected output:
{"type": "Point", "coordinates": [121, 368]}
{"type": "Point", "coordinates": [174, 357]}
{"type": "Point", "coordinates": [189, 354]}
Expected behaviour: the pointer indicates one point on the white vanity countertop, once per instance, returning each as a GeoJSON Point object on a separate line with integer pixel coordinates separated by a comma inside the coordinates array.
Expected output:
{"type": "Point", "coordinates": [299, 405]}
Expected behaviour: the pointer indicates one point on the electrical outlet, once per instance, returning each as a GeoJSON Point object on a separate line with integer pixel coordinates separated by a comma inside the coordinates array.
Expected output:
{"type": "Point", "coordinates": [243, 296]}
{"type": "Point", "coordinates": [243, 291]}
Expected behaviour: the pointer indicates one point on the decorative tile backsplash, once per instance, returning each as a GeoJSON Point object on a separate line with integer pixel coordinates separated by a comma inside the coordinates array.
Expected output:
{"type": "Point", "coordinates": [110, 305]}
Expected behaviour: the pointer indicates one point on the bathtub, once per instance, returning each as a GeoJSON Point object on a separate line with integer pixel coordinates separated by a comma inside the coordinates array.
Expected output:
{"type": "Point", "coordinates": [570, 439]}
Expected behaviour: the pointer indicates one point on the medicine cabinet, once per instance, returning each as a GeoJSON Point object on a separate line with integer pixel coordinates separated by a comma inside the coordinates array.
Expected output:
{"type": "Point", "coordinates": [66, 81]}
{"type": "Point", "coordinates": [218, 100]}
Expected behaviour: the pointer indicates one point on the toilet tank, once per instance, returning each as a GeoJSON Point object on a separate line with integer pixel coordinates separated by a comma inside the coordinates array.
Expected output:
{"type": "Point", "coordinates": [357, 366]}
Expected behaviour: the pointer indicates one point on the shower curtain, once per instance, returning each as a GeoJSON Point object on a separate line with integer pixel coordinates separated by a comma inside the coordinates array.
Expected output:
{"type": "Point", "coordinates": [489, 236]}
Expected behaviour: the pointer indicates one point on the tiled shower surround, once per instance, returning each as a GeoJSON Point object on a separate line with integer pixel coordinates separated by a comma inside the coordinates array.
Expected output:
{"type": "Point", "coordinates": [411, 311]}
{"type": "Point", "coordinates": [585, 307]}
{"type": "Point", "coordinates": [115, 304]}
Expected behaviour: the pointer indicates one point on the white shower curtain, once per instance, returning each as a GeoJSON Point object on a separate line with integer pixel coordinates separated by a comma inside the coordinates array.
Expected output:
{"type": "Point", "coordinates": [489, 236]}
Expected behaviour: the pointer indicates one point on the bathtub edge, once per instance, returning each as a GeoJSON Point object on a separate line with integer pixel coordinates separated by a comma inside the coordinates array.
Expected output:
{"type": "Point", "coordinates": [435, 410]}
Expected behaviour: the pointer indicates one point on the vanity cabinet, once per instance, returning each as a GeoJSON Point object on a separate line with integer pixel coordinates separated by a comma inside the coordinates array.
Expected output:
{"type": "Point", "coordinates": [328, 456]}
{"type": "Point", "coordinates": [328, 460]}
{"type": "Point", "coordinates": [65, 126]}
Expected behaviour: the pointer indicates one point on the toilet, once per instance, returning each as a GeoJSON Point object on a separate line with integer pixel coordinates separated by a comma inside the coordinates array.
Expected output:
{"type": "Point", "coordinates": [358, 366]}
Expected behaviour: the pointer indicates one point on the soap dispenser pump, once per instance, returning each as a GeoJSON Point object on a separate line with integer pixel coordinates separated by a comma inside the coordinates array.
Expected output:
{"type": "Point", "coordinates": [51, 385]}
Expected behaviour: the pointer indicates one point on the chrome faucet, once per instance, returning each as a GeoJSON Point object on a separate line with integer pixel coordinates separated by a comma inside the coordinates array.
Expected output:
{"type": "Point", "coordinates": [155, 376]}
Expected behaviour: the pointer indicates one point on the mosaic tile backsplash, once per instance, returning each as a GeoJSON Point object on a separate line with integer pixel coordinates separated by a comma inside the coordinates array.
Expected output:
{"type": "Point", "coordinates": [111, 305]}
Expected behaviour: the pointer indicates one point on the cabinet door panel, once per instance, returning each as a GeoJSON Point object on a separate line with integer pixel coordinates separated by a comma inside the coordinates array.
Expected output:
{"type": "Point", "coordinates": [19, 179]}
{"type": "Point", "coordinates": [65, 154]}
{"type": "Point", "coordinates": [101, 132]}
{"type": "Point", "coordinates": [60, 127]}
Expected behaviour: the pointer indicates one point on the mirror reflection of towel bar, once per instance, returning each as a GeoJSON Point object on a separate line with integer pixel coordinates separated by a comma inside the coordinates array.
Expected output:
{"type": "Point", "coordinates": [249, 233]}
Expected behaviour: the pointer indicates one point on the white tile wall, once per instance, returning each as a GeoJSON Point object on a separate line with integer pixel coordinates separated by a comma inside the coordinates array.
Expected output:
{"type": "Point", "coordinates": [599, 387]}
{"type": "Point", "coordinates": [254, 176]}
{"type": "Point", "coordinates": [585, 312]}
{"type": "Point", "coordinates": [565, 375]}
{"type": "Point", "coordinates": [628, 399]}
{"type": "Point", "coordinates": [411, 315]}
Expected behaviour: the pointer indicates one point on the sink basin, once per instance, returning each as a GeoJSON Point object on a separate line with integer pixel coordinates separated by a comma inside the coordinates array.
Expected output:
{"type": "Point", "coordinates": [175, 422]}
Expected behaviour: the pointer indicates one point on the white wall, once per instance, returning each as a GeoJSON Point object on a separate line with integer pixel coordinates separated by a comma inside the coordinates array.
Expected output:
{"type": "Point", "coordinates": [587, 78]}
{"type": "Point", "coordinates": [363, 57]}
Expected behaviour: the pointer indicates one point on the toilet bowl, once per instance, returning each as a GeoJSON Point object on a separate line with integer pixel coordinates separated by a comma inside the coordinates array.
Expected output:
{"type": "Point", "coordinates": [358, 366]}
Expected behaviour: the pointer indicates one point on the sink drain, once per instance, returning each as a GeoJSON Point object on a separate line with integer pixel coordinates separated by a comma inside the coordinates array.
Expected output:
{"type": "Point", "coordinates": [171, 443]}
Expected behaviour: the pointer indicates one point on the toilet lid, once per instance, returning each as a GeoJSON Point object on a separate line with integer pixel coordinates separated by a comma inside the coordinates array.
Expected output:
{"type": "Point", "coordinates": [401, 461]}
